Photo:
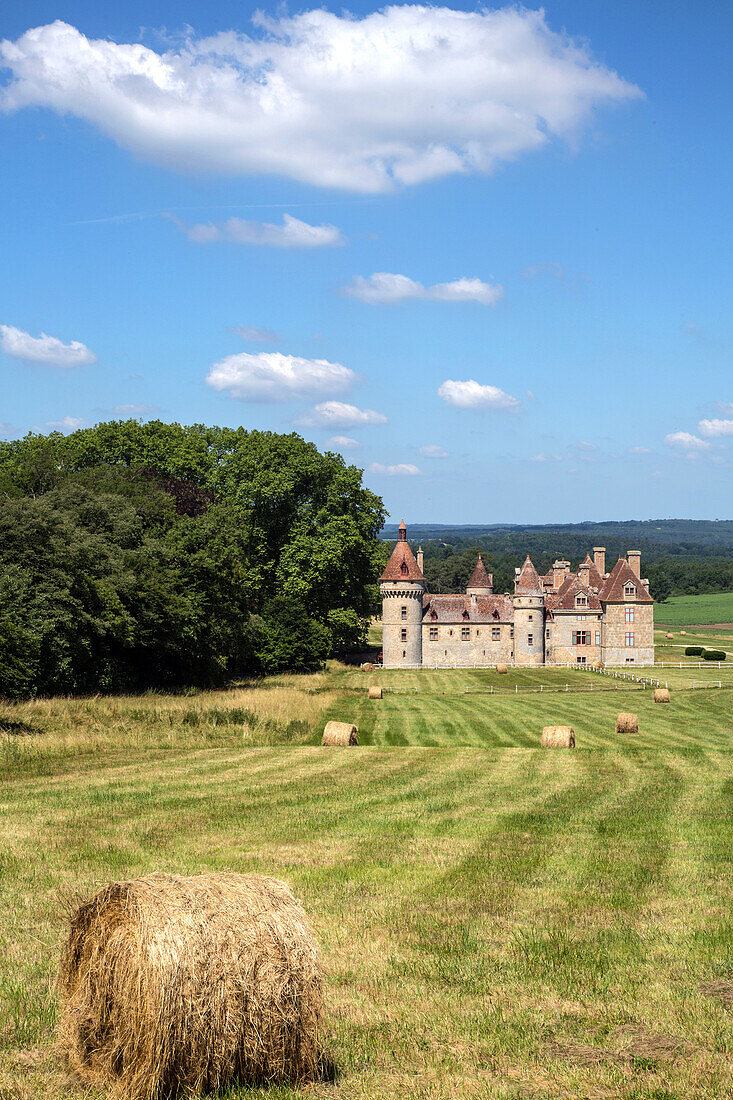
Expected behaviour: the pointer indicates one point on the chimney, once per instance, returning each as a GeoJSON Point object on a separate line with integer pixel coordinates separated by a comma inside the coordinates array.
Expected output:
{"type": "Point", "coordinates": [474, 601]}
{"type": "Point", "coordinates": [558, 574]}
{"type": "Point", "coordinates": [419, 558]}
{"type": "Point", "coordinates": [634, 560]}
{"type": "Point", "coordinates": [599, 559]}
{"type": "Point", "coordinates": [584, 574]}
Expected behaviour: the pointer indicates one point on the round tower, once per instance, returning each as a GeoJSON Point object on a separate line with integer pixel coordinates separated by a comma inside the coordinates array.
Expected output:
{"type": "Point", "coordinates": [529, 617]}
{"type": "Point", "coordinates": [402, 586]}
{"type": "Point", "coordinates": [480, 583]}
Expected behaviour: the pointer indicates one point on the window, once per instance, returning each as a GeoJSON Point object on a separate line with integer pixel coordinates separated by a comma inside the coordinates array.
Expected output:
{"type": "Point", "coordinates": [580, 660]}
{"type": "Point", "coordinates": [404, 569]}
{"type": "Point", "coordinates": [547, 632]}
{"type": "Point", "coordinates": [530, 617]}
{"type": "Point", "coordinates": [433, 633]}
{"type": "Point", "coordinates": [530, 639]}
{"type": "Point", "coordinates": [629, 637]}
{"type": "Point", "coordinates": [630, 591]}
{"type": "Point", "coordinates": [403, 635]}
{"type": "Point", "coordinates": [465, 633]}
{"type": "Point", "coordinates": [496, 614]}
{"type": "Point", "coordinates": [433, 615]}
{"type": "Point", "coordinates": [495, 633]}
{"type": "Point", "coordinates": [598, 637]}
{"type": "Point", "coordinates": [465, 615]}
{"type": "Point", "coordinates": [404, 654]}
{"type": "Point", "coordinates": [581, 618]}
{"type": "Point", "coordinates": [511, 631]}
{"type": "Point", "coordinates": [581, 601]}
{"type": "Point", "coordinates": [581, 637]}
{"type": "Point", "coordinates": [477, 633]}
{"type": "Point", "coordinates": [403, 611]}
{"type": "Point", "coordinates": [629, 660]}
{"type": "Point", "coordinates": [629, 614]}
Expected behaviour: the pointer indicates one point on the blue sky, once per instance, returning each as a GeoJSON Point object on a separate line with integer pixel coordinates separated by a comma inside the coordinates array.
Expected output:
{"type": "Point", "coordinates": [485, 257]}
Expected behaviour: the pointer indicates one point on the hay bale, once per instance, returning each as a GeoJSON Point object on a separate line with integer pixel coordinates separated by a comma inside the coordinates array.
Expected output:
{"type": "Point", "coordinates": [375, 692]}
{"type": "Point", "coordinates": [661, 695]}
{"type": "Point", "coordinates": [340, 733]}
{"type": "Point", "coordinates": [367, 667]}
{"type": "Point", "coordinates": [176, 984]}
{"type": "Point", "coordinates": [558, 737]}
{"type": "Point", "coordinates": [683, 633]}
{"type": "Point", "coordinates": [502, 670]}
{"type": "Point", "coordinates": [669, 637]}
{"type": "Point", "coordinates": [627, 723]}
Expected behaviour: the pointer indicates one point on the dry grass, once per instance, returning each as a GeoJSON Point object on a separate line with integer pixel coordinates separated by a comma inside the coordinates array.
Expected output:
{"type": "Point", "coordinates": [175, 984]}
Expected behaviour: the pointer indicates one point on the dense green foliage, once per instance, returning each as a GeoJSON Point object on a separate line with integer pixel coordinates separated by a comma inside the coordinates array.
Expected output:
{"type": "Point", "coordinates": [139, 555]}
{"type": "Point", "coordinates": [693, 651]}
{"type": "Point", "coordinates": [714, 655]}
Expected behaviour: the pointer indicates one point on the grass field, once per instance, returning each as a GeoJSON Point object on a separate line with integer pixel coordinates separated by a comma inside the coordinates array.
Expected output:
{"type": "Point", "coordinates": [696, 610]}
{"type": "Point", "coordinates": [496, 920]}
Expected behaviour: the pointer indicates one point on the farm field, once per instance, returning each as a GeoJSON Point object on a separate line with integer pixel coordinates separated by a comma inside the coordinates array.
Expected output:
{"type": "Point", "coordinates": [496, 920]}
{"type": "Point", "coordinates": [709, 609]}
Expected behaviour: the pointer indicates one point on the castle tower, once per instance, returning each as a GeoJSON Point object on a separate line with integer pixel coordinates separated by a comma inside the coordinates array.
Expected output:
{"type": "Point", "coordinates": [529, 617]}
{"type": "Point", "coordinates": [481, 582]}
{"type": "Point", "coordinates": [402, 586]}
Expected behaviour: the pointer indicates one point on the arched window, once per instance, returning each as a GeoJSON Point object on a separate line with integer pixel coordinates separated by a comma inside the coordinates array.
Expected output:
{"type": "Point", "coordinates": [404, 569]}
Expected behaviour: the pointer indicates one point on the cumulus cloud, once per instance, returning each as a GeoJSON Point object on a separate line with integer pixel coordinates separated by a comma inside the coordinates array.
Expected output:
{"type": "Point", "coordinates": [383, 286]}
{"type": "Point", "coordinates": [44, 349]}
{"type": "Point", "coordinates": [715, 427]}
{"type": "Point", "coordinates": [684, 441]}
{"type": "Point", "coordinates": [433, 450]}
{"type": "Point", "coordinates": [68, 424]}
{"type": "Point", "coordinates": [293, 233]}
{"type": "Point", "coordinates": [401, 468]}
{"type": "Point", "coordinates": [270, 376]}
{"type": "Point", "coordinates": [254, 335]}
{"type": "Point", "coordinates": [405, 94]}
{"type": "Point", "coordinates": [344, 443]}
{"type": "Point", "coordinates": [473, 395]}
{"type": "Point", "coordinates": [337, 414]}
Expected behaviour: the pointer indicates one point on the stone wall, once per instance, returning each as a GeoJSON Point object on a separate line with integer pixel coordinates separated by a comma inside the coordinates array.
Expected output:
{"type": "Point", "coordinates": [450, 647]}
{"type": "Point", "coordinates": [559, 648]}
{"type": "Point", "coordinates": [396, 595]}
{"type": "Point", "coordinates": [615, 627]}
{"type": "Point", "coordinates": [529, 621]}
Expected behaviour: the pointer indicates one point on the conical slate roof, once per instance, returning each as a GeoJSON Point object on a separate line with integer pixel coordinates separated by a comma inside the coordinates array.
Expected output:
{"type": "Point", "coordinates": [402, 565]}
{"type": "Point", "coordinates": [480, 578]}
{"type": "Point", "coordinates": [528, 582]}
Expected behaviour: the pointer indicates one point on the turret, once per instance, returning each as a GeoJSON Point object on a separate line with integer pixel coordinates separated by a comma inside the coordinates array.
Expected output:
{"type": "Point", "coordinates": [481, 582]}
{"type": "Point", "coordinates": [529, 617]}
{"type": "Point", "coordinates": [402, 586]}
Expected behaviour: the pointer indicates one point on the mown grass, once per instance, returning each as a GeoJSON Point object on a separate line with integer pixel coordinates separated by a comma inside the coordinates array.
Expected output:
{"type": "Point", "coordinates": [496, 921]}
{"type": "Point", "coordinates": [715, 607]}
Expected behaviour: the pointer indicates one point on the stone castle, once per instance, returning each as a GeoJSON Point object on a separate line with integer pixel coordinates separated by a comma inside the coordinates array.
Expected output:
{"type": "Point", "coordinates": [562, 618]}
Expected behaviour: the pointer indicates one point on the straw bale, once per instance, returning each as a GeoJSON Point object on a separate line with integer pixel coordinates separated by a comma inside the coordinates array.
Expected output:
{"type": "Point", "coordinates": [367, 667]}
{"type": "Point", "coordinates": [669, 637]}
{"type": "Point", "coordinates": [683, 633]}
{"type": "Point", "coordinates": [340, 733]}
{"type": "Point", "coordinates": [502, 670]}
{"type": "Point", "coordinates": [627, 723]}
{"type": "Point", "coordinates": [375, 692]}
{"type": "Point", "coordinates": [661, 695]}
{"type": "Point", "coordinates": [558, 737]}
{"type": "Point", "coordinates": [174, 984]}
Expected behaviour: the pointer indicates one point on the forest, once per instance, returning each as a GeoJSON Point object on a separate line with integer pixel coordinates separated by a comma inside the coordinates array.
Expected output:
{"type": "Point", "coordinates": [153, 555]}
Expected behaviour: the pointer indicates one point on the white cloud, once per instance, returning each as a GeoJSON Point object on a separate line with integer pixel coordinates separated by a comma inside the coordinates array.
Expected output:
{"type": "Point", "coordinates": [383, 286]}
{"type": "Point", "coordinates": [406, 94]}
{"type": "Point", "coordinates": [542, 457]}
{"type": "Point", "coordinates": [128, 412]}
{"type": "Point", "coordinates": [473, 395]}
{"type": "Point", "coordinates": [44, 349]}
{"type": "Point", "coordinates": [68, 424]}
{"type": "Point", "coordinates": [344, 443]}
{"type": "Point", "coordinates": [271, 376]}
{"type": "Point", "coordinates": [401, 468]}
{"type": "Point", "coordinates": [337, 414]}
{"type": "Point", "coordinates": [684, 441]}
{"type": "Point", "coordinates": [584, 445]}
{"type": "Point", "coordinates": [293, 233]}
{"type": "Point", "coordinates": [433, 450]}
{"type": "Point", "coordinates": [726, 407]}
{"type": "Point", "coordinates": [639, 451]}
{"type": "Point", "coordinates": [254, 335]}
{"type": "Point", "coordinates": [715, 427]}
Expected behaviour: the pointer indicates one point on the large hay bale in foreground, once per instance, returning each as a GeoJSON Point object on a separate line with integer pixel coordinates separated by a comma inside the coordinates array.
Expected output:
{"type": "Point", "coordinates": [502, 670]}
{"type": "Point", "coordinates": [367, 667]}
{"type": "Point", "coordinates": [186, 984]}
{"type": "Point", "coordinates": [340, 733]}
{"type": "Point", "coordinates": [375, 692]}
{"type": "Point", "coordinates": [661, 695]}
{"type": "Point", "coordinates": [627, 723]}
{"type": "Point", "coordinates": [558, 737]}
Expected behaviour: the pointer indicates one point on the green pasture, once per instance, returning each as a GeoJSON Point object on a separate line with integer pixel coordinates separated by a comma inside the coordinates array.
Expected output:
{"type": "Point", "coordinates": [710, 609]}
{"type": "Point", "coordinates": [496, 920]}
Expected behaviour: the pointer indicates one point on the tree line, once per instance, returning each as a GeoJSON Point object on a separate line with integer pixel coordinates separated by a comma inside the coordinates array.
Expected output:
{"type": "Point", "coordinates": [138, 556]}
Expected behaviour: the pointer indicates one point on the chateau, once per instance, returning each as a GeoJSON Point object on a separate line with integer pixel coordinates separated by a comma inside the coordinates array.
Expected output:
{"type": "Point", "coordinates": [589, 617]}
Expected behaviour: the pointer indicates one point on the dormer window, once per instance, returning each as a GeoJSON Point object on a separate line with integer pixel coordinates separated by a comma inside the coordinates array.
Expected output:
{"type": "Point", "coordinates": [581, 601]}
{"type": "Point", "coordinates": [433, 615]}
{"type": "Point", "coordinates": [404, 569]}
{"type": "Point", "coordinates": [629, 591]}
{"type": "Point", "coordinates": [496, 614]}
{"type": "Point", "coordinates": [465, 615]}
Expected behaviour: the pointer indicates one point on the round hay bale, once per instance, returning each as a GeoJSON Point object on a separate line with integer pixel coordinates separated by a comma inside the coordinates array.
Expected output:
{"type": "Point", "coordinates": [627, 723]}
{"type": "Point", "coordinates": [683, 633]}
{"type": "Point", "coordinates": [661, 695]}
{"type": "Point", "coordinates": [340, 733]}
{"type": "Point", "coordinates": [375, 692]}
{"type": "Point", "coordinates": [367, 667]}
{"type": "Point", "coordinates": [558, 737]}
{"type": "Point", "coordinates": [174, 984]}
{"type": "Point", "coordinates": [502, 670]}
{"type": "Point", "coordinates": [669, 637]}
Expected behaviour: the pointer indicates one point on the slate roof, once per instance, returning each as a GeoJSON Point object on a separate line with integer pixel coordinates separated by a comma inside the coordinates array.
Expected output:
{"type": "Point", "coordinates": [595, 580]}
{"type": "Point", "coordinates": [528, 582]}
{"type": "Point", "coordinates": [393, 570]}
{"type": "Point", "coordinates": [569, 589]}
{"type": "Point", "coordinates": [612, 589]}
{"type": "Point", "coordinates": [480, 578]}
{"type": "Point", "coordinates": [453, 609]}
